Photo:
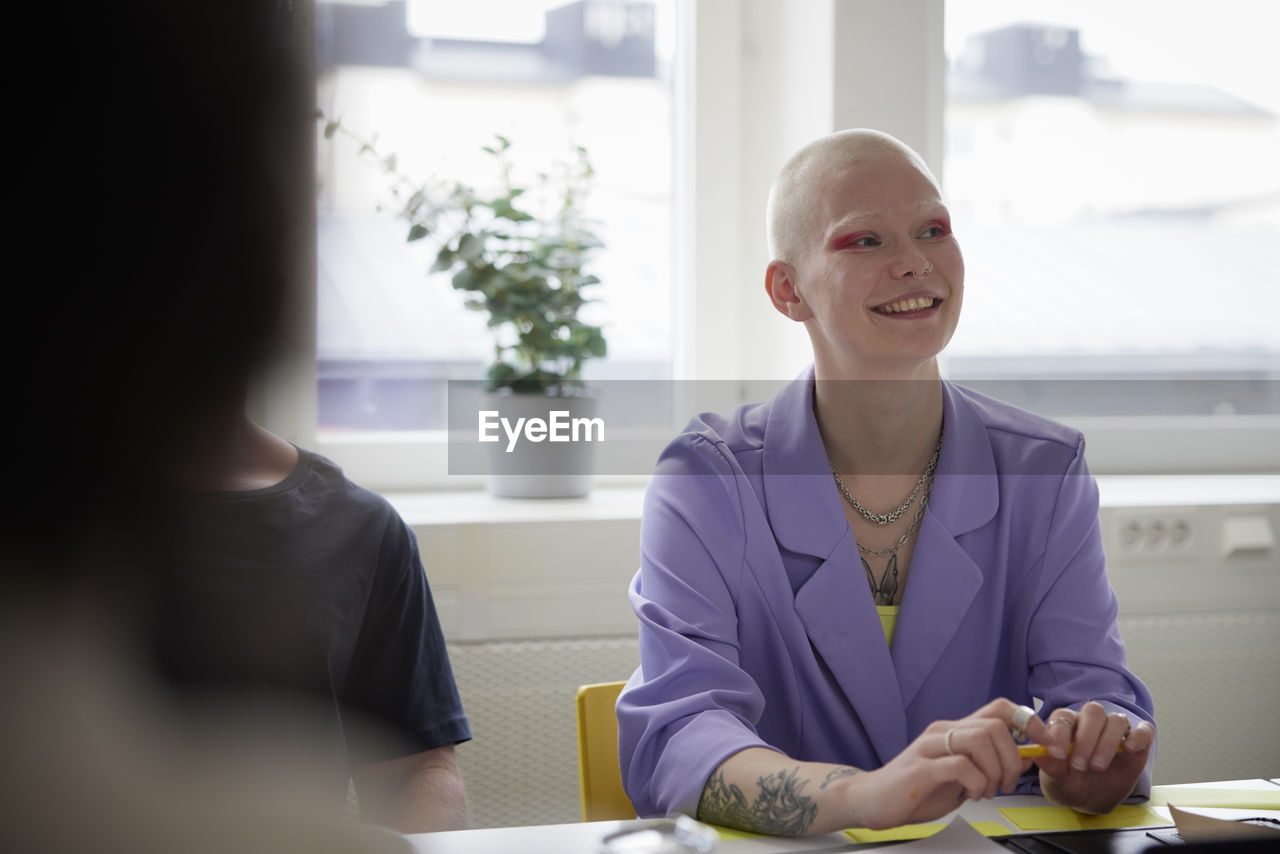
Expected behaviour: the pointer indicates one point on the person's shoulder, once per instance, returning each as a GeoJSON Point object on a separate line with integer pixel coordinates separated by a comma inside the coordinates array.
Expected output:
{"type": "Point", "coordinates": [999, 416]}
{"type": "Point", "coordinates": [1030, 442]}
{"type": "Point", "coordinates": [325, 482]}
{"type": "Point", "coordinates": [716, 440]}
{"type": "Point", "coordinates": [354, 511]}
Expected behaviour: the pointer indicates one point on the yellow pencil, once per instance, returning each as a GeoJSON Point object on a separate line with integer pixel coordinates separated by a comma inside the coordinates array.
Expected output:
{"type": "Point", "coordinates": [1027, 751]}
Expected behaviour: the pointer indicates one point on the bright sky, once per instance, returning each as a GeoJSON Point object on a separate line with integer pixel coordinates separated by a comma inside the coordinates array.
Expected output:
{"type": "Point", "coordinates": [1230, 44]}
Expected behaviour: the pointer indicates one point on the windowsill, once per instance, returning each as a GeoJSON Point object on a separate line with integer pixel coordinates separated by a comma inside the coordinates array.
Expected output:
{"type": "Point", "coordinates": [1167, 490]}
{"type": "Point", "coordinates": [425, 508]}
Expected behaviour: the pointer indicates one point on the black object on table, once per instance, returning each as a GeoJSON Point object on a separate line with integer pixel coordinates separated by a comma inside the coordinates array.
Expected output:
{"type": "Point", "coordinates": [1133, 841]}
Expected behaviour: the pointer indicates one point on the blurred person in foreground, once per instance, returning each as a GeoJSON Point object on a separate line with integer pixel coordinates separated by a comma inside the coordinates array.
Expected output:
{"type": "Point", "coordinates": [851, 595]}
{"type": "Point", "coordinates": [183, 139]}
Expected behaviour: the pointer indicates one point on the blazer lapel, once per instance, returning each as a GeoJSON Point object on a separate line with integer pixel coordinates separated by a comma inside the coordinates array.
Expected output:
{"type": "Point", "coordinates": [840, 618]}
{"type": "Point", "coordinates": [941, 586]}
{"type": "Point", "coordinates": [833, 603]}
{"type": "Point", "coordinates": [943, 579]}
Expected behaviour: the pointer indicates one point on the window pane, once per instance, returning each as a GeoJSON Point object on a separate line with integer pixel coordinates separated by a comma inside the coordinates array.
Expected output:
{"type": "Point", "coordinates": [432, 82]}
{"type": "Point", "coordinates": [1113, 178]}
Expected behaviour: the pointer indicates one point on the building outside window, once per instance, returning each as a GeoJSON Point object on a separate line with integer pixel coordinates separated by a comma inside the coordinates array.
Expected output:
{"type": "Point", "coordinates": [1113, 175]}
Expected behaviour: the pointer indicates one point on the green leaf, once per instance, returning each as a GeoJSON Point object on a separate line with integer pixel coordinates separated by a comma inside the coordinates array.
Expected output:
{"type": "Point", "coordinates": [501, 375]}
{"type": "Point", "coordinates": [470, 247]}
{"type": "Point", "coordinates": [502, 207]}
{"type": "Point", "coordinates": [466, 280]}
{"type": "Point", "coordinates": [444, 260]}
{"type": "Point", "coordinates": [417, 231]}
{"type": "Point", "coordinates": [534, 382]}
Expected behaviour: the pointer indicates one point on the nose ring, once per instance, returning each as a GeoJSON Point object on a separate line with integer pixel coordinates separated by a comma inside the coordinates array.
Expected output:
{"type": "Point", "coordinates": [926, 271]}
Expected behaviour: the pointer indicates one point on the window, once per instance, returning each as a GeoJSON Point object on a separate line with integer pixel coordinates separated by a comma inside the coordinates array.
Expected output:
{"type": "Point", "coordinates": [432, 82]}
{"type": "Point", "coordinates": [1112, 171]}
{"type": "Point", "coordinates": [1121, 257]}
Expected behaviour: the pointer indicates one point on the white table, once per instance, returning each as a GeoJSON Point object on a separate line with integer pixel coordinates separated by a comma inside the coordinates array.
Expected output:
{"type": "Point", "coordinates": [584, 837]}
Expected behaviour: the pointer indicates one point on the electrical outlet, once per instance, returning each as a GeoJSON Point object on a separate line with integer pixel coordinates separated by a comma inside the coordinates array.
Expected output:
{"type": "Point", "coordinates": [1155, 534]}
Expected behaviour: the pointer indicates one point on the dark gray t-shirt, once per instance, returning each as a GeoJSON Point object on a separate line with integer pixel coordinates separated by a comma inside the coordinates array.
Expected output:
{"type": "Point", "coordinates": [313, 589]}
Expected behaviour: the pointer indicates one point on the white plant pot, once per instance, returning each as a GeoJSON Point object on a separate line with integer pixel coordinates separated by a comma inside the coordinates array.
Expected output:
{"type": "Point", "coordinates": [529, 468]}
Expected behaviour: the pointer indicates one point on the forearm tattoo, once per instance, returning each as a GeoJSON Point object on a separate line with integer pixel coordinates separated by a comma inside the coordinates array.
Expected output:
{"type": "Point", "coordinates": [838, 774]}
{"type": "Point", "coordinates": [778, 809]}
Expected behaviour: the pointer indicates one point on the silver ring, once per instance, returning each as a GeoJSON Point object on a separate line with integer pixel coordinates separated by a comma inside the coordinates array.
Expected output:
{"type": "Point", "coordinates": [1066, 721]}
{"type": "Point", "coordinates": [1021, 716]}
{"type": "Point", "coordinates": [946, 742]}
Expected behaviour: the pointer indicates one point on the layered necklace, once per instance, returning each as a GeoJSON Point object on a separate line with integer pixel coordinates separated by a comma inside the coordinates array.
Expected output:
{"type": "Point", "coordinates": [886, 589]}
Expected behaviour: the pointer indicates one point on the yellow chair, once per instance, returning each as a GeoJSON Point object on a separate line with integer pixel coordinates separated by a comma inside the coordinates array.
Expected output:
{"type": "Point", "coordinates": [598, 775]}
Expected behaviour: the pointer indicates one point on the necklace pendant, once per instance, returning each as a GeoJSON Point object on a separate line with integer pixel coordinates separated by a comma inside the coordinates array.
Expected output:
{"type": "Point", "coordinates": [890, 580]}
{"type": "Point", "coordinates": [886, 590]}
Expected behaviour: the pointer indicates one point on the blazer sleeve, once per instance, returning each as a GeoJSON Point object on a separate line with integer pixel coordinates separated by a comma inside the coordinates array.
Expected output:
{"type": "Point", "coordinates": [1074, 649]}
{"type": "Point", "coordinates": [689, 706]}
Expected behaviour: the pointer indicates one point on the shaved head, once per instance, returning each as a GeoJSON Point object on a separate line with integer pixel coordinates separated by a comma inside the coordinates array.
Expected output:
{"type": "Point", "coordinates": [793, 210]}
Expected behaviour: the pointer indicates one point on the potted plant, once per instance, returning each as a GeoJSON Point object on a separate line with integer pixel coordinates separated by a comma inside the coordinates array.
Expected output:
{"type": "Point", "coordinates": [519, 254]}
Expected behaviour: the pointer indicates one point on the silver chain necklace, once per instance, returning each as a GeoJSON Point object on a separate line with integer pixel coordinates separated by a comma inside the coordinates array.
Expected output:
{"type": "Point", "coordinates": [883, 519]}
{"type": "Point", "coordinates": [885, 590]}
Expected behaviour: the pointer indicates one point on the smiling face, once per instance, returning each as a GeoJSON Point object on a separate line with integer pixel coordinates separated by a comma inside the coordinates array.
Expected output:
{"type": "Point", "coordinates": [872, 219]}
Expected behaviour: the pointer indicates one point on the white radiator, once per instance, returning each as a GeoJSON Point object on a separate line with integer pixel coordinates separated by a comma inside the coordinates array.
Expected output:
{"type": "Point", "coordinates": [1216, 683]}
{"type": "Point", "coordinates": [1199, 589]}
{"type": "Point", "coordinates": [522, 765]}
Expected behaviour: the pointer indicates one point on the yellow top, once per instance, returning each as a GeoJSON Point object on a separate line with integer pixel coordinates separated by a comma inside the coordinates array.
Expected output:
{"type": "Point", "coordinates": [888, 620]}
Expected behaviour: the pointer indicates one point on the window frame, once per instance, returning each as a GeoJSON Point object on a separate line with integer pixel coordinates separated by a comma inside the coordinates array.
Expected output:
{"type": "Point", "coordinates": [744, 97]}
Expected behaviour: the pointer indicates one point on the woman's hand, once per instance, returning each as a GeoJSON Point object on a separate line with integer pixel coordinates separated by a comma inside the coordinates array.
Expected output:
{"type": "Point", "coordinates": [1091, 776]}
{"type": "Point", "coordinates": [949, 762]}
{"type": "Point", "coordinates": [764, 791]}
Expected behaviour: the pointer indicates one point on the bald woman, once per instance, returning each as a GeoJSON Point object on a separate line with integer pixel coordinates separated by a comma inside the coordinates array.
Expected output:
{"type": "Point", "coordinates": [857, 597]}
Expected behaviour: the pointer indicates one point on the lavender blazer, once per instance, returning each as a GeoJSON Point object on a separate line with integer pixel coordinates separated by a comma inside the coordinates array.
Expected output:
{"type": "Point", "coordinates": [757, 628]}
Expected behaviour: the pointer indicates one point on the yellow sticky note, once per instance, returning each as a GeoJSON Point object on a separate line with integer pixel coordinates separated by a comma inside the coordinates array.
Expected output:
{"type": "Point", "coordinates": [891, 834]}
{"type": "Point", "coordinates": [1209, 796]}
{"type": "Point", "coordinates": [1065, 818]}
{"type": "Point", "coordinates": [919, 831]}
{"type": "Point", "coordinates": [991, 828]}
